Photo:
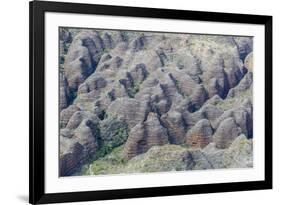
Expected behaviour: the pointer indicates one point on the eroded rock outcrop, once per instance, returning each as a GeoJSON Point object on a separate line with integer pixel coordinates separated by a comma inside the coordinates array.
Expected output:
{"type": "Point", "coordinates": [226, 133]}
{"type": "Point", "coordinates": [66, 114]}
{"type": "Point", "coordinates": [147, 91]}
{"type": "Point", "coordinates": [145, 135]}
{"type": "Point", "coordinates": [78, 146]}
{"type": "Point", "coordinates": [248, 62]}
{"type": "Point", "coordinates": [244, 85]}
{"type": "Point", "coordinates": [64, 92]}
{"type": "Point", "coordinates": [244, 45]}
{"type": "Point", "coordinates": [129, 110]}
{"type": "Point", "coordinates": [175, 125]}
{"type": "Point", "coordinates": [200, 134]}
{"type": "Point", "coordinates": [82, 57]}
{"type": "Point", "coordinates": [239, 154]}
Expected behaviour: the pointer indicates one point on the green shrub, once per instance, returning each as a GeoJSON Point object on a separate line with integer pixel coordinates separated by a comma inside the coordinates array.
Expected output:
{"type": "Point", "coordinates": [111, 163]}
{"type": "Point", "coordinates": [106, 147]}
{"type": "Point", "coordinates": [133, 90]}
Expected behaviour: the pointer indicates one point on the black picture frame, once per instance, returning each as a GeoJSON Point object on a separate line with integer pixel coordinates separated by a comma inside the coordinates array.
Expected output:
{"type": "Point", "coordinates": [37, 9]}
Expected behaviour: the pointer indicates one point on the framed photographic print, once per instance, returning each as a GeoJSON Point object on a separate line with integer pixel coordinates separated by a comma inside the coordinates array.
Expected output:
{"type": "Point", "coordinates": [140, 102]}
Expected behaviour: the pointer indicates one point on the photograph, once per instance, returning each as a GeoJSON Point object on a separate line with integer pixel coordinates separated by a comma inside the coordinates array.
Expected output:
{"type": "Point", "coordinates": [133, 101]}
{"type": "Point", "coordinates": [121, 102]}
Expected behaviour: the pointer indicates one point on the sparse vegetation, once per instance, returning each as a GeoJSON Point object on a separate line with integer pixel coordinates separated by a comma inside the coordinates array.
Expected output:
{"type": "Point", "coordinates": [107, 164]}
{"type": "Point", "coordinates": [132, 91]}
{"type": "Point", "coordinates": [229, 102]}
{"type": "Point", "coordinates": [118, 139]}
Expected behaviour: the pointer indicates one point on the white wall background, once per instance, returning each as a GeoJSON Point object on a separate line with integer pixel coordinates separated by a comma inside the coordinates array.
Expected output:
{"type": "Point", "coordinates": [14, 100]}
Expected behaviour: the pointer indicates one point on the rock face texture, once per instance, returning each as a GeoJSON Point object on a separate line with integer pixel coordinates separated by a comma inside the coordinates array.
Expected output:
{"type": "Point", "coordinates": [82, 57]}
{"type": "Point", "coordinates": [166, 158]}
{"type": "Point", "coordinates": [248, 62]}
{"type": "Point", "coordinates": [145, 135]}
{"type": "Point", "coordinates": [78, 145]}
{"type": "Point", "coordinates": [226, 133]}
{"type": "Point", "coordinates": [64, 92]}
{"type": "Point", "coordinates": [200, 134]}
{"type": "Point", "coordinates": [166, 101]}
{"type": "Point", "coordinates": [239, 154]}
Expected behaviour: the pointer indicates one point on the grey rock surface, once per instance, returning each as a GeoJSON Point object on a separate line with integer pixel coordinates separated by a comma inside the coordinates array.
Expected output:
{"type": "Point", "coordinates": [145, 135]}
{"type": "Point", "coordinates": [227, 131]}
{"type": "Point", "coordinates": [77, 148]}
{"type": "Point", "coordinates": [63, 92]}
{"type": "Point", "coordinates": [148, 92]}
{"type": "Point", "coordinates": [248, 62]}
{"type": "Point", "coordinates": [82, 57]}
{"type": "Point", "coordinates": [200, 134]}
{"type": "Point", "coordinates": [66, 114]}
